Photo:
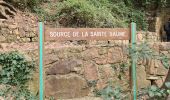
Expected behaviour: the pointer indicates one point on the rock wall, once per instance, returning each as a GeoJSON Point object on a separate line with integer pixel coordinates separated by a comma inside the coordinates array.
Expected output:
{"type": "Point", "coordinates": [73, 71]}
{"type": "Point", "coordinates": [21, 28]}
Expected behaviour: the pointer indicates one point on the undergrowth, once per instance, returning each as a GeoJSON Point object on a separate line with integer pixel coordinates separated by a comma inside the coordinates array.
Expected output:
{"type": "Point", "coordinates": [15, 72]}
{"type": "Point", "coordinates": [93, 13]}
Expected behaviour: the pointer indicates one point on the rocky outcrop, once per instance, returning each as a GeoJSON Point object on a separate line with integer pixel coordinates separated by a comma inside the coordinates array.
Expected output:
{"type": "Point", "coordinates": [6, 10]}
{"type": "Point", "coordinates": [22, 28]}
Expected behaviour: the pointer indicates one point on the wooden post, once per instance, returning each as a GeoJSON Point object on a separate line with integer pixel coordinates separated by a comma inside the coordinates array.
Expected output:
{"type": "Point", "coordinates": [41, 50]}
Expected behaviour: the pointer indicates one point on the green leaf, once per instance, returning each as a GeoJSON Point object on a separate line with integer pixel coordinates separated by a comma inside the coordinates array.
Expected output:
{"type": "Point", "coordinates": [151, 94]}
{"type": "Point", "coordinates": [167, 84]}
{"type": "Point", "coordinates": [153, 88]}
{"type": "Point", "coordinates": [168, 91]}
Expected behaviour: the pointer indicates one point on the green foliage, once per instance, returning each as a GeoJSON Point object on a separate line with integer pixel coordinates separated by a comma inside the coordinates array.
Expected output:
{"type": "Point", "coordinates": [51, 98]}
{"type": "Point", "coordinates": [159, 3]}
{"type": "Point", "coordinates": [19, 93]}
{"type": "Point", "coordinates": [148, 3]}
{"type": "Point", "coordinates": [23, 4]}
{"type": "Point", "coordinates": [120, 68]}
{"type": "Point", "coordinates": [16, 70]}
{"type": "Point", "coordinates": [87, 13]}
{"type": "Point", "coordinates": [99, 13]}
{"type": "Point", "coordinates": [167, 84]}
{"type": "Point", "coordinates": [165, 61]}
{"type": "Point", "coordinates": [42, 14]}
{"type": "Point", "coordinates": [94, 13]}
{"type": "Point", "coordinates": [156, 92]}
{"type": "Point", "coordinates": [108, 93]}
{"type": "Point", "coordinates": [144, 51]}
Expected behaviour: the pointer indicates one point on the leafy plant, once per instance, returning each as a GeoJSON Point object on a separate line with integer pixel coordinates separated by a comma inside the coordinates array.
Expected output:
{"type": "Point", "coordinates": [25, 4]}
{"type": "Point", "coordinates": [165, 61]}
{"type": "Point", "coordinates": [144, 51]}
{"type": "Point", "coordinates": [156, 92]}
{"type": "Point", "coordinates": [94, 13]}
{"type": "Point", "coordinates": [19, 93]}
{"type": "Point", "coordinates": [167, 85]}
{"type": "Point", "coordinates": [120, 68]}
{"type": "Point", "coordinates": [83, 13]}
{"type": "Point", "coordinates": [110, 93]}
{"type": "Point", "coordinates": [16, 70]}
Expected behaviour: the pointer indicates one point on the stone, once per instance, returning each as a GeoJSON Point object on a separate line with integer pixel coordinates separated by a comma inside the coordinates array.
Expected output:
{"type": "Point", "coordinates": [86, 98]}
{"type": "Point", "coordinates": [101, 84]}
{"type": "Point", "coordinates": [160, 82]}
{"type": "Point", "coordinates": [50, 58]}
{"type": "Point", "coordinates": [35, 39]}
{"type": "Point", "coordinates": [75, 50]}
{"type": "Point", "coordinates": [2, 38]}
{"type": "Point", "coordinates": [142, 78]}
{"type": "Point", "coordinates": [155, 67]}
{"type": "Point", "coordinates": [106, 72]}
{"type": "Point", "coordinates": [102, 51]}
{"type": "Point", "coordinates": [12, 26]}
{"type": "Point", "coordinates": [33, 84]}
{"type": "Point", "coordinates": [16, 32]}
{"type": "Point", "coordinates": [164, 46]}
{"type": "Point", "coordinates": [151, 67]}
{"type": "Point", "coordinates": [63, 67]}
{"type": "Point", "coordinates": [115, 55]}
{"type": "Point", "coordinates": [90, 71]}
{"type": "Point", "coordinates": [155, 47]}
{"type": "Point", "coordinates": [101, 60]}
{"type": "Point", "coordinates": [1, 98]}
{"type": "Point", "coordinates": [161, 70]}
{"type": "Point", "coordinates": [90, 53]}
{"type": "Point", "coordinates": [66, 87]}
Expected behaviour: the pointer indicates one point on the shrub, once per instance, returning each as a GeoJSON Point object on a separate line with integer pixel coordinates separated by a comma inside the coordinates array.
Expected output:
{"type": "Point", "coordinates": [23, 4]}
{"type": "Point", "coordinates": [20, 93]}
{"type": "Point", "coordinates": [86, 13]}
{"type": "Point", "coordinates": [94, 13]}
{"type": "Point", "coordinates": [110, 93]}
{"type": "Point", "coordinates": [16, 70]}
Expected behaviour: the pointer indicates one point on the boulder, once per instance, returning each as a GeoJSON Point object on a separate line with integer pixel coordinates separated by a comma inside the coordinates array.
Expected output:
{"type": "Point", "coordinates": [63, 67]}
{"type": "Point", "coordinates": [142, 81]}
{"type": "Point", "coordinates": [66, 87]}
{"type": "Point", "coordinates": [90, 71]}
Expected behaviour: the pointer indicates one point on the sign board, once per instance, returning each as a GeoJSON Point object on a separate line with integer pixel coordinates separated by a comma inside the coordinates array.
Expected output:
{"type": "Point", "coordinates": [86, 34]}
{"type": "Point", "coordinates": [58, 34]}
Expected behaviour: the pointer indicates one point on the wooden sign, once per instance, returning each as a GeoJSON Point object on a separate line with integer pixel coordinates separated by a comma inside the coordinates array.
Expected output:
{"type": "Point", "coordinates": [49, 34]}
{"type": "Point", "coordinates": [59, 34]}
